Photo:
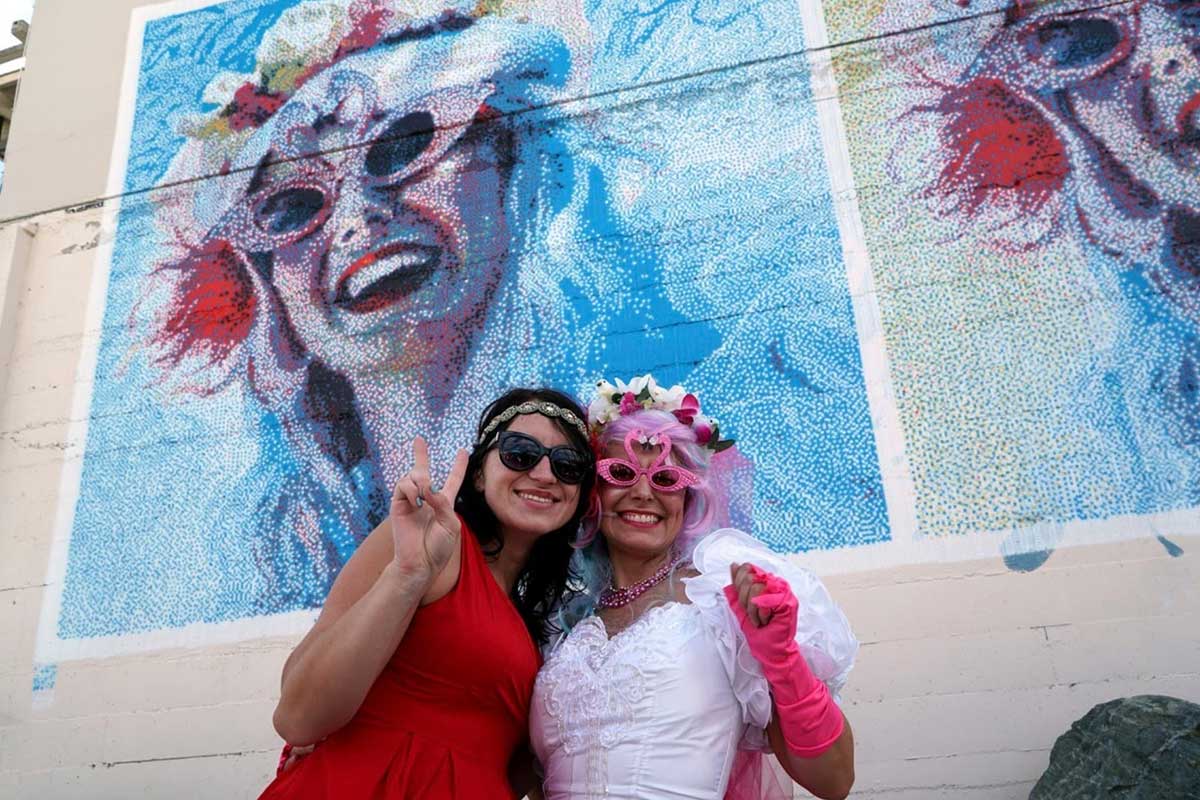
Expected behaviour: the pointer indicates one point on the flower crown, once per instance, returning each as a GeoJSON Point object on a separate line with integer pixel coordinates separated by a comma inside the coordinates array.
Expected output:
{"type": "Point", "coordinates": [643, 394]}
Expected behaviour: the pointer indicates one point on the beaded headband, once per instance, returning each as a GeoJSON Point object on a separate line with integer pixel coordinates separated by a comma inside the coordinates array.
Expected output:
{"type": "Point", "coordinates": [643, 394]}
{"type": "Point", "coordinates": [543, 407]}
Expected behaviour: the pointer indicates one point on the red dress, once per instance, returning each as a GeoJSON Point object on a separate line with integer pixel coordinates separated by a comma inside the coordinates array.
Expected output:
{"type": "Point", "coordinates": [446, 714]}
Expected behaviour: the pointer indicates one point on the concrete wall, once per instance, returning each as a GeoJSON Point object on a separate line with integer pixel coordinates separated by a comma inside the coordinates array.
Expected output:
{"type": "Point", "coordinates": [69, 112]}
{"type": "Point", "coordinates": [943, 310]}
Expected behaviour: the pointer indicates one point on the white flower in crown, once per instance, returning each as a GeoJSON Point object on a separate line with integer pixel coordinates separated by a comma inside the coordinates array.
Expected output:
{"type": "Point", "coordinates": [605, 388]}
{"type": "Point", "coordinates": [635, 385]}
{"type": "Point", "coordinates": [602, 410]}
{"type": "Point", "coordinates": [643, 392]}
{"type": "Point", "coordinates": [667, 399]}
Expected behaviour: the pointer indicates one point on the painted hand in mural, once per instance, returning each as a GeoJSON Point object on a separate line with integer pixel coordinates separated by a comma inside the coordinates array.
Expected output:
{"type": "Point", "coordinates": [425, 529]}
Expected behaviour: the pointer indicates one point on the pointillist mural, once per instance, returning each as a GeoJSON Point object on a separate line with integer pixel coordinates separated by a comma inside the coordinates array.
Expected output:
{"type": "Point", "coordinates": [347, 222]}
{"type": "Point", "coordinates": [1028, 185]}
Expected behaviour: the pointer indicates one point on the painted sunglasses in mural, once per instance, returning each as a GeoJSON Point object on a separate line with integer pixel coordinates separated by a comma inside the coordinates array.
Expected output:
{"type": "Point", "coordinates": [1062, 51]}
{"type": "Point", "coordinates": [296, 188]}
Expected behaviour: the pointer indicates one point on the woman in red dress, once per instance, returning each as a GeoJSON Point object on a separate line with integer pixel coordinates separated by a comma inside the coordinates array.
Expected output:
{"type": "Point", "coordinates": [416, 680]}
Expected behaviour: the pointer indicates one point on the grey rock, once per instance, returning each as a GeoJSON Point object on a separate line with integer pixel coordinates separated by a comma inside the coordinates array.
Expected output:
{"type": "Point", "coordinates": [1136, 748]}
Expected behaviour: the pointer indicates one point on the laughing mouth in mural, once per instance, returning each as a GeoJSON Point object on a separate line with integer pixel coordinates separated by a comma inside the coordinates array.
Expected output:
{"type": "Point", "coordinates": [385, 277]}
{"type": "Point", "coordinates": [407, 266]}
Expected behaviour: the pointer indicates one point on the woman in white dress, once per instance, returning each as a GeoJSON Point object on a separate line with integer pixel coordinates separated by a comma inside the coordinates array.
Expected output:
{"type": "Point", "coordinates": [700, 665]}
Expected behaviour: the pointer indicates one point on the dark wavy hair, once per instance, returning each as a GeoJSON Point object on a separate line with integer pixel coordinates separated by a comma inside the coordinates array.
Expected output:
{"type": "Point", "coordinates": [547, 577]}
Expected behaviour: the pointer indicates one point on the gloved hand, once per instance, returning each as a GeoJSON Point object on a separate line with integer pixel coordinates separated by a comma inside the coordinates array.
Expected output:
{"type": "Point", "coordinates": [766, 610]}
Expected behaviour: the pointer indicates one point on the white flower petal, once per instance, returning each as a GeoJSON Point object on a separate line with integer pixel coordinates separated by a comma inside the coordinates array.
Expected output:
{"type": "Point", "coordinates": [671, 399]}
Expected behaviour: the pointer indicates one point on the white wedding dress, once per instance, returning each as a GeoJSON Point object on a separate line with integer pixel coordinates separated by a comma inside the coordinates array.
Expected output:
{"type": "Point", "coordinates": [659, 711]}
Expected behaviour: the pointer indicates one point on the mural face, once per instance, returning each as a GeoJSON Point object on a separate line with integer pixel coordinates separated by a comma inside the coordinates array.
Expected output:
{"type": "Point", "coordinates": [1083, 117]}
{"type": "Point", "coordinates": [378, 215]}
{"type": "Point", "coordinates": [1050, 150]}
{"type": "Point", "coordinates": [340, 272]}
{"type": "Point", "coordinates": [368, 248]}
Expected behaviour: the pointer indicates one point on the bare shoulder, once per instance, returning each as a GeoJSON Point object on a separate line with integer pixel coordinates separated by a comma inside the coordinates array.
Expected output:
{"type": "Point", "coordinates": [366, 565]}
{"type": "Point", "coordinates": [359, 574]}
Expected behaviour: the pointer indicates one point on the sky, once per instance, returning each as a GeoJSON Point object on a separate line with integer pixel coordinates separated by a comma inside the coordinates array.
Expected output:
{"type": "Point", "coordinates": [12, 10]}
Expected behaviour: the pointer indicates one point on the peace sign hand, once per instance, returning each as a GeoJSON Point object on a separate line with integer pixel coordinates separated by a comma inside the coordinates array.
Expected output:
{"type": "Point", "coordinates": [425, 529]}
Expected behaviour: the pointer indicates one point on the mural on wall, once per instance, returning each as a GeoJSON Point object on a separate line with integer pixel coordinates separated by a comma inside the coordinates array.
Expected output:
{"type": "Point", "coordinates": [371, 216]}
{"type": "Point", "coordinates": [347, 222]}
{"type": "Point", "coordinates": [1040, 218]}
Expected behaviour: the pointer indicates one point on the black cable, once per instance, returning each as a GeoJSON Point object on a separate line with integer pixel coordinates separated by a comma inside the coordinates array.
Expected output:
{"type": "Point", "coordinates": [677, 79]}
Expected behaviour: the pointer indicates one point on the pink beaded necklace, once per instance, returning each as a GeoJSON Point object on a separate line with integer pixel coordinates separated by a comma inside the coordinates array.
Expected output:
{"type": "Point", "coordinates": [615, 598]}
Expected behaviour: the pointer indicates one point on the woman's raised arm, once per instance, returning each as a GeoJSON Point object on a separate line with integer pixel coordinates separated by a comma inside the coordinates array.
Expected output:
{"type": "Point", "coordinates": [411, 558]}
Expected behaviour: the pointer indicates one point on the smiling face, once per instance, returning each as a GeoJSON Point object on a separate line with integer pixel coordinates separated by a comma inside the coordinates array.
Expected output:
{"type": "Point", "coordinates": [386, 249]}
{"type": "Point", "coordinates": [533, 503]}
{"type": "Point", "coordinates": [638, 520]}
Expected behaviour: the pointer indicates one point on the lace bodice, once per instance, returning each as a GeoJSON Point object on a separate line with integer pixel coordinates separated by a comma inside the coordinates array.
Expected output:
{"type": "Point", "coordinates": [648, 713]}
{"type": "Point", "coordinates": [659, 711]}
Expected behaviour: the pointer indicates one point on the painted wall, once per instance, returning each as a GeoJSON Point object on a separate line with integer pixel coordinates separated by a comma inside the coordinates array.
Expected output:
{"type": "Point", "coordinates": [1030, 204]}
{"type": "Point", "coordinates": [341, 225]}
{"type": "Point", "coordinates": [928, 263]}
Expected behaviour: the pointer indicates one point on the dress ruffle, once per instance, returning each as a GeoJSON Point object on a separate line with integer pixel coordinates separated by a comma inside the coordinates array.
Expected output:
{"type": "Point", "coordinates": [822, 630]}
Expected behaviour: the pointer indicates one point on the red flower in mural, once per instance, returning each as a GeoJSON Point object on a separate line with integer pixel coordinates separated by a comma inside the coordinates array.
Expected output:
{"type": "Point", "coordinates": [251, 107]}
{"type": "Point", "coordinates": [212, 309]}
{"type": "Point", "coordinates": [986, 154]}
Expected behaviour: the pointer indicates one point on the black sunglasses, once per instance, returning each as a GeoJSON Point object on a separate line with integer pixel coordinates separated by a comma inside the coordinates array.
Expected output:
{"type": "Point", "coordinates": [522, 453]}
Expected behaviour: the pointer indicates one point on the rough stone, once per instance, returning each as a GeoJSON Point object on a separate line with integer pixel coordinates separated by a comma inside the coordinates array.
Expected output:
{"type": "Point", "coordinates": [1136, 748]}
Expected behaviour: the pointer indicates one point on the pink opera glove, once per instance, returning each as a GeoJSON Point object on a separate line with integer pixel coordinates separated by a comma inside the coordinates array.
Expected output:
{"type": "Point", "coordinates": [808, 718]}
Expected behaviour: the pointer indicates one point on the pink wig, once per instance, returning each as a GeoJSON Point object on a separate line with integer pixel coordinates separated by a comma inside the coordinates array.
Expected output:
{"type": "Point", "coordinates": [686, 452]}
